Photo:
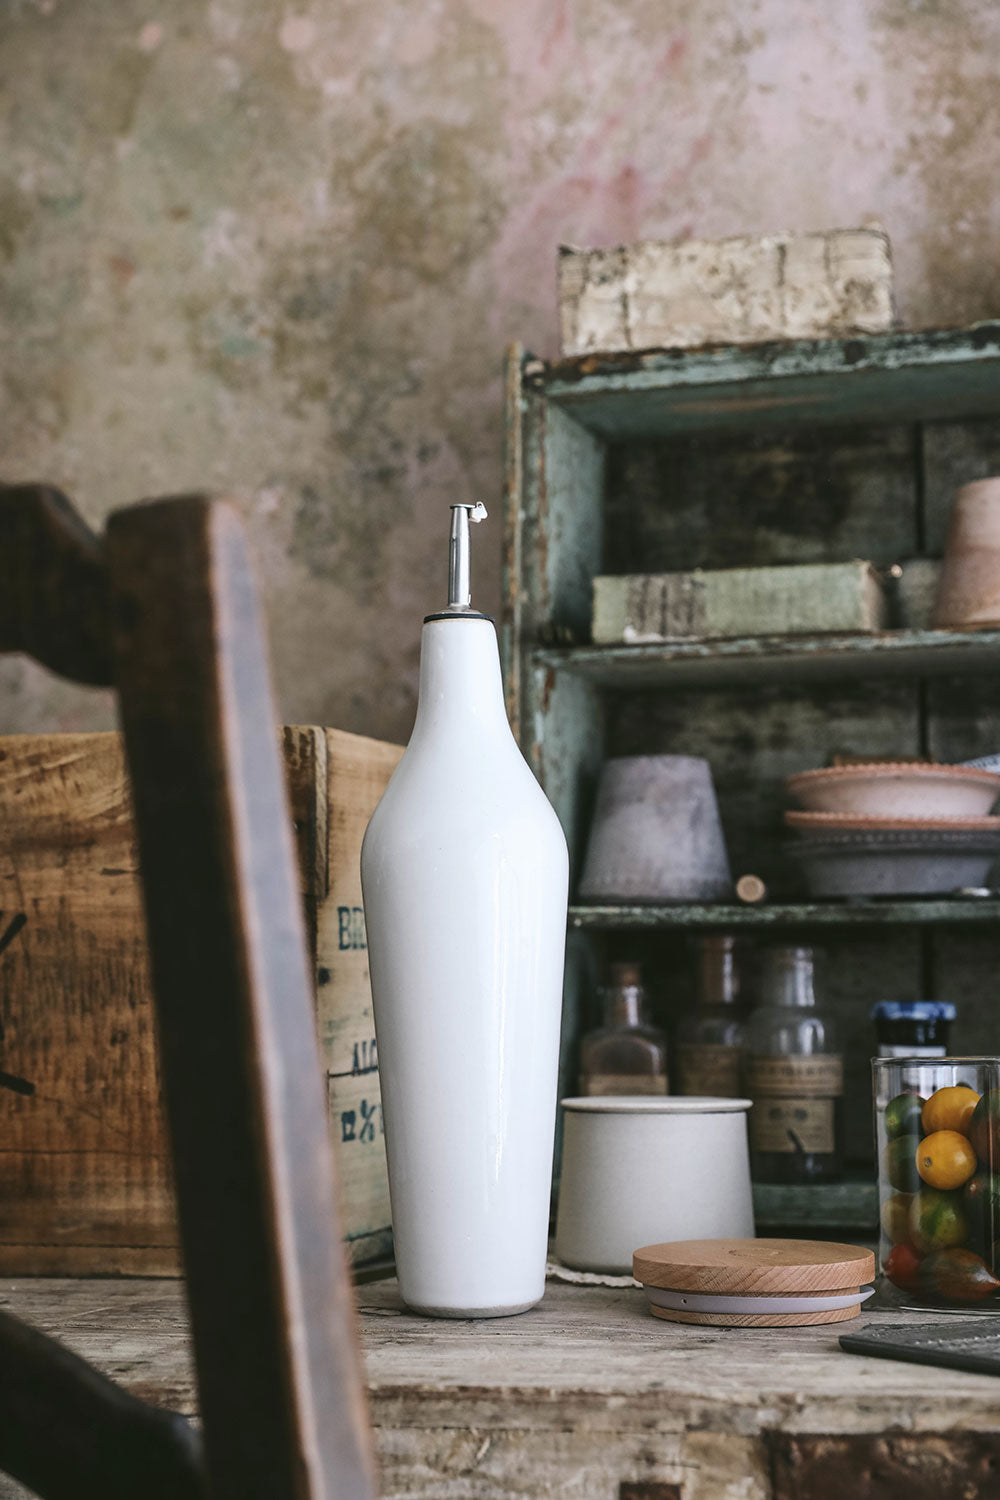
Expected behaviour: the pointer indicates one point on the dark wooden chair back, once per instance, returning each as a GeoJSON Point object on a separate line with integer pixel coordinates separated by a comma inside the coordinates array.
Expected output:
{"type": "Point", "coordinates": [163, 608]}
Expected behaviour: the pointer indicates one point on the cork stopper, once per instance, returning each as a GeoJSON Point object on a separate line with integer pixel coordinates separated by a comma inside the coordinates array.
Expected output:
{"type": "Point", "coordinates": [626, 975]}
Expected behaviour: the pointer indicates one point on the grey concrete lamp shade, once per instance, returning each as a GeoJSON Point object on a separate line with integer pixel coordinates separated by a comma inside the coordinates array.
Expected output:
{"type": "Point", "coordinates": [656, 835]}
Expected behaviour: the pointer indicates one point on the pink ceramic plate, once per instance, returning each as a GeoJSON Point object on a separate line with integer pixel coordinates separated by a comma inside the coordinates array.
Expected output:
{"type": "Point", "coordinates": [820, 824]}
{"type": "Point", "coordinates": [897, 789]}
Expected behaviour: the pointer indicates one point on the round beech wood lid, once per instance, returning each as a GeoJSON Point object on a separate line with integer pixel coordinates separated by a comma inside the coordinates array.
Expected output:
{"type": "Point", "coordinates": [749, 1268]}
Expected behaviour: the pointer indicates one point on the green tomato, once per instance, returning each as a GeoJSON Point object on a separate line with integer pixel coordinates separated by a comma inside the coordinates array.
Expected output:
{"type": "Point", "coordinates": [902, 1115]}
{"type": "Point", "coordinates": [899, 1163]}
{"type": "Point", "coordinates": [937, 1220]}
{"type": "Point", "coordinates": [981, 1204]}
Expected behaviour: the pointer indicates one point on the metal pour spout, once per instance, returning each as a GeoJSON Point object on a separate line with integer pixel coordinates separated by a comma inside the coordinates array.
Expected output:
{"type": "Point", "coordinates": [459, 591]}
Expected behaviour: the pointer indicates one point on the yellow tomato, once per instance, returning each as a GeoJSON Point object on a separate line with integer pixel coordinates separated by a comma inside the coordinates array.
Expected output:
{"type": "Point", "coordinates": [949, 1109]}
{"type": "Point", "coordinates": [895, 1216]}
{"type": "Point", "coordinates": [945, 1159]}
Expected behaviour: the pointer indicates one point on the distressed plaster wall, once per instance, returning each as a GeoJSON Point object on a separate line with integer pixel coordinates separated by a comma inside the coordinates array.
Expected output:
{"type": "Point", "coordinates": [278, 250]}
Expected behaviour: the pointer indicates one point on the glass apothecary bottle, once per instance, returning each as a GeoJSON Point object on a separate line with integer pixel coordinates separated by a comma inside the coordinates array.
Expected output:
{"type": "Point", "coordinates": [710, 1037]}
{"type": "Point", "coordinates": [937, 1135]}
{"type": "Point", "coordinates": [625, 1054]}
{"type": "Point", "coordinates": [794, 1074]}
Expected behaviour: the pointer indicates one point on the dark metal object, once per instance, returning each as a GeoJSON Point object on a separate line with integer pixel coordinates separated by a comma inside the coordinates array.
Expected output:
{"type": "Point", "coordinates": [280, 1388]}
{"type": "Point", "coordinates": [959, 1344]}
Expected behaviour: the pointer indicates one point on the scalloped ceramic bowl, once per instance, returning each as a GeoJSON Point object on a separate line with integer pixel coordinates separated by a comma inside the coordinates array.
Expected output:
{"type": "Point", "coordinates": [896, 861]}
{"type": "Point", "coordinates": [897, 790]}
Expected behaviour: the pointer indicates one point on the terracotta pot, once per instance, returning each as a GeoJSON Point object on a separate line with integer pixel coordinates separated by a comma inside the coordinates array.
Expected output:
{"type": "Point", "coordinates": [656, 835]}
{"type": "Point", "coordinates": [969, 590]}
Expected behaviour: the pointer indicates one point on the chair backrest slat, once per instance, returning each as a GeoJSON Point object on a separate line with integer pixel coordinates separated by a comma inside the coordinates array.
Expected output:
{"type": "Point", "coordinates": [172, 619]}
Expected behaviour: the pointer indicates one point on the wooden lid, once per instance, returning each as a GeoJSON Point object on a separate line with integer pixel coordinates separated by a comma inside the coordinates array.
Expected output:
{"type": "Point", "coordinates": [747, 1268]}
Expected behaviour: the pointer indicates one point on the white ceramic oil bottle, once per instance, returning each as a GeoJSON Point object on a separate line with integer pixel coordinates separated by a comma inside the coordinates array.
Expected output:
{"type": "Point", "coordinates": [464, 872]}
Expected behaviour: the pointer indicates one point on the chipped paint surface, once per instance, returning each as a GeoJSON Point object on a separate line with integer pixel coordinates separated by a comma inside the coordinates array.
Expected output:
{"type": "Point", "coordinates": [276, 249]}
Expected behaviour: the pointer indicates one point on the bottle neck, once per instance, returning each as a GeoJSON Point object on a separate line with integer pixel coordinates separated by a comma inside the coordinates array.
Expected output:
{"type": "Point", "coordinates": [788, 978]}
{"type": "Point", "coordinates": [623, 1005]}
{"type": "Point", "coordinates": [461, 689]}
{"type": "Point", "coordinates": [718, 972]}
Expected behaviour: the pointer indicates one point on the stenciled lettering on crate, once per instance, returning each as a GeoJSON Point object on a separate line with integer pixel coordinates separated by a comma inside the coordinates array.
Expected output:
{"type": "Point", "coordinates": [357, 773]}
{"type": "Point", "coordinates": [85, 1182]}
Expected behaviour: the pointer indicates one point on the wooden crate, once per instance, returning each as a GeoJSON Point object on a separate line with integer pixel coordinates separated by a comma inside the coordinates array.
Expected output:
{"type": "Point", "coordinates": [85, 1184]}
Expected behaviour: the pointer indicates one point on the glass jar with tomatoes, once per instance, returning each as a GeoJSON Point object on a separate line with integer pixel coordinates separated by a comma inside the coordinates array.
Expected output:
{"type": "Point", "coordinates": [937, 1135]}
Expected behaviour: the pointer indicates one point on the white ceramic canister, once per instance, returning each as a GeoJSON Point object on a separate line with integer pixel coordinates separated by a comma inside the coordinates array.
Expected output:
{"type": "Point", "coordinates": [464, 872]}
{"type": "Point", "coordinates": [638, 1170]}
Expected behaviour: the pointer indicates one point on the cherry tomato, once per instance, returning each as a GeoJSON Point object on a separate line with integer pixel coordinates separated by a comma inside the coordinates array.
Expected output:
{"type": "Point", "coordinates": [981, 1202]}
{"type": "Point", "coordinates": [902, 1266]}
{"type": "Point", "coordinates": [899, 1163]}
{"type": "Point", "coordinates": [950, 1109]}
{"type": "Point", "coordinates": [937, 1221]}
{"type": "Point", "coordinates": [984, 1130]}
{"type": "Point", "coordinates": [957, 1276]}
{"type": "Point", "coordinates": [902, 1115]}
{"type": "Point", "coordinates": [895, 1217]}
{"type": "Point", "coordinates": [946, 1160]}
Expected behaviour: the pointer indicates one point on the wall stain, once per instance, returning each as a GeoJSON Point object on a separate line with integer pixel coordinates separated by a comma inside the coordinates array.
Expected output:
{"type": "Point", "coordinates": [332, 245]}
{"type": "Point", "coordinates": [17, 213]}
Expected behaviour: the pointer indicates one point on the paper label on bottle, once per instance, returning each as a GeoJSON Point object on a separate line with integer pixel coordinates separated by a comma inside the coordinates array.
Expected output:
{"type": "Point", "coordinates": [709, 1068]}
{"type": "Point", "coordinates": [819, 1076]}
{"type": "Point", "coordinates": [792, 1125]}
{"type": "Point", "coordinates": [622, 1083]}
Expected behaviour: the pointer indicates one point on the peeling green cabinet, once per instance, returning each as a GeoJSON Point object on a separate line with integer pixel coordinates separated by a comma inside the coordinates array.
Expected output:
{"type": "Point", "coordinates": [665, 460]}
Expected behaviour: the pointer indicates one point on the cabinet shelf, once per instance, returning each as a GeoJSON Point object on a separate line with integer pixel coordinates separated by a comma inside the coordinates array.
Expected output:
{"type": "Point", "coordinates": [941, 374]}
{"type": "Point", "coordinates": [916, 911]}
{"type": "Point", "coordinates": [813, 450]}
{"type": "Point", "coordinates": [761, 659]}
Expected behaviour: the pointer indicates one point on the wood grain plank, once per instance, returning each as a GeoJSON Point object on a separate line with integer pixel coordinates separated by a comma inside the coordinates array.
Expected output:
{"type": "Point", "coordinates": [584, 1351]}
{"type": "Point", "coordinates": [83, 1155]}
{"type": "Point", "coordinates": [278, 1377]}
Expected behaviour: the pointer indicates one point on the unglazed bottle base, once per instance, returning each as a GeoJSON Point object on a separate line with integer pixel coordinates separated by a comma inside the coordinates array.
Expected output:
{"type": "Point", "coordinates": [472, 1312]}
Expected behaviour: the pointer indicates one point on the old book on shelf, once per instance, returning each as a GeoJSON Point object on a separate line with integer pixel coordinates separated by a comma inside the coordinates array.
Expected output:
{"type": "Point", "coordinates": [680, 294]}
{"type": "Point", "coordinates": [84, 1168]}
{"type": "Point", "coordinates": [801, 599]}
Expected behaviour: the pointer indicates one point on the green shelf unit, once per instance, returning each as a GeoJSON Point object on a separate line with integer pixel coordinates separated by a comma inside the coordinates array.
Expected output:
{"type": "Point", "coordinates": [812, 451]}
{"type": "Point", "coordinates": [891, 377]}
{"type": "Point", "coordinates": [681, 665]}
{"type": "Point", "coordinates": [929, 911]}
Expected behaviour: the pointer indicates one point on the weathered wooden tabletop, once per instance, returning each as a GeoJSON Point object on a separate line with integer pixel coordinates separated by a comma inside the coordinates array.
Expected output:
{"type": "Point", "coordinates": [589, 1397]}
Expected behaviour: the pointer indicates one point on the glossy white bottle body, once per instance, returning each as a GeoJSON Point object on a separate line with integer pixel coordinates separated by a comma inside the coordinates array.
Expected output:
{"type": "Point", "coordinates": [464, 872]}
